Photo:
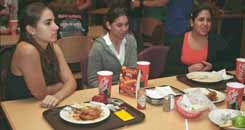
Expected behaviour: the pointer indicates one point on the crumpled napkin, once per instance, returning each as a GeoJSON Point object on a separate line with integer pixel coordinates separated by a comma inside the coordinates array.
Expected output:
{"type": "Point", "coordinates": [223, 74]}
{"type": "Point", "coordinates": [186, 103]}
{"type": "Point", "coordinates": [159, 92]}
{"type": "Point", "coordinates": [196, 101]}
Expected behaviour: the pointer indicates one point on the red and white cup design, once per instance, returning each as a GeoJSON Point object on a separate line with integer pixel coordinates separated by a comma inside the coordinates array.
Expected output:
{"type": "Point", "coordinates": [104, 83]}
{"type": "Point", "coordinates": [13, 26]}
{"type": "Point", "coordinates": [144, 66]}
{"type": "Point", "coordinates": [234, 95]}
{"type": "Point", "coordinates": [240, 69]}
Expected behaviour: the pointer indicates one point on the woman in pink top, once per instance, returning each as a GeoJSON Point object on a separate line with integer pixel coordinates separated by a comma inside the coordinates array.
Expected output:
{"type": "Point", "coordinates": [198, 49]}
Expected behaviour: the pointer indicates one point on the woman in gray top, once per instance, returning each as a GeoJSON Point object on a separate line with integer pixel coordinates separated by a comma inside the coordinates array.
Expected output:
{"type": "Point", "coordinates": [113, 50]}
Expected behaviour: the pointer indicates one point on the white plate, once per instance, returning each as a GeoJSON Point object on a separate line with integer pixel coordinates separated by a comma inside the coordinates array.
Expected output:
{"type": "Point", "coordinates": [204, 77]}
{"type": "Point", "coordinates": [220, 95]}
{"type": "Point", "coordinates": [219, 116]}
{"type": "Point", "coordinates": [65, 113]}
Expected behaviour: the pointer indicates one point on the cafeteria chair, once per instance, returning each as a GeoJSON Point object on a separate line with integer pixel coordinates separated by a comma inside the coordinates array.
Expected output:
{"type": "Point", "coordinates": [151, 31]}
{"type": "Point", "coordinates": [157, 55]}
{"type": "Point", "coordinates": [84, 71]}
{"type": "Point", "coordinates": [5, 54]}
{"type": "Point", "coordinates": [75, 48]}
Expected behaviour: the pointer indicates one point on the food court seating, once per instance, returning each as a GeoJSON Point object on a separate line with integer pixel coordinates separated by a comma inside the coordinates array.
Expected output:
{"type": "Point", "coordinates": [157, 55]}
{"type": "Point", "coordinates": [151, 31]}
{"type": "Point", "coordinates": [75, 48]}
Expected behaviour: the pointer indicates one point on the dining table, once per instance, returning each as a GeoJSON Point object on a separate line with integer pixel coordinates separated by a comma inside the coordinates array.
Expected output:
{"type": "Point", "coordinates": [26, 114]}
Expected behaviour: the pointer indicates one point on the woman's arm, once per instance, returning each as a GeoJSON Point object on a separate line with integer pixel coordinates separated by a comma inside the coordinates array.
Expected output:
{"type": "Point", "coordinates": [68, 81]}
{"type": "Point", "coordinates": [27, 63]}
{"type": "Point", "coordinates": [94, 64]}
{"type": "Point", "coordinates": [68, 85]}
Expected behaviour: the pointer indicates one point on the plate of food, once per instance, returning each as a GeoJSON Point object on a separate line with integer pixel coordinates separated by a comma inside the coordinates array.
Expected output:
{"type": "Point", "coordinates": [228, 119]}
{"type": "Point", "coordinates": [213, 95]}
{"type": "Point", "coordinates": [85, 113]}
{"type": "Point", "coordinates": [204, 77]}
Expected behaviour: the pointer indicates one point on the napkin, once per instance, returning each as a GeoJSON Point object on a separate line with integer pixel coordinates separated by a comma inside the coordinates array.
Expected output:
{"type": "Point", "coordinates": [195, 101]}
{"type": "Point", "coordinates": [186, 103]}
{"type": "Point", "coordinates": [159, 92]}
{"type": "Point", "coordinates": [223, 74]}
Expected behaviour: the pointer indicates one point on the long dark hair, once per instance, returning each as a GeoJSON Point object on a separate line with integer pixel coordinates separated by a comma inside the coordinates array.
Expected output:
{"type": "Point", "coordinates": [30, 15]}
{"type": "Point", "coordinates": [113, 13]}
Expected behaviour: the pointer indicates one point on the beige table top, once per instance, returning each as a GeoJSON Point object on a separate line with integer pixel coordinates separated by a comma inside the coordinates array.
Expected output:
{"type": "Point", "coordinates": [27, 114]}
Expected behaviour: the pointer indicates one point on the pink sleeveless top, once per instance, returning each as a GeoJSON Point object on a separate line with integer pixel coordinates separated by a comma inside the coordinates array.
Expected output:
{"type": "Point", "coordinates": [190, 56]}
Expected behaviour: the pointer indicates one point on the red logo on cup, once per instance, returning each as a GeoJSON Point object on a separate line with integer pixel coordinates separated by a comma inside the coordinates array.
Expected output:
{"type": "Point", "coordinates": [234, 95]}
{"type": "Point", "coordinates": [144, 66]}
{"type": "Point", "coordinates": [104, 83]}
{"type": "Point", "coordinates": [240, 69]}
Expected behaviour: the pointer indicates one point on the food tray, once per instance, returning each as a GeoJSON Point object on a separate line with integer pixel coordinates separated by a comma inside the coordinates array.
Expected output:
{"type": "Point", "coordinates": [217, 86]}
{"type": "Point", "coordinates": [220, 86]}
{"type": "Point", "coordinates": [113, 122]}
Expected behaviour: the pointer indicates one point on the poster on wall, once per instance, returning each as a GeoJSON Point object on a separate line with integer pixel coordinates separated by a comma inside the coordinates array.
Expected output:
{"type": "Point", "coordinates": [70, 20]}
{"type": "Point", "coordinates": [70, 24]}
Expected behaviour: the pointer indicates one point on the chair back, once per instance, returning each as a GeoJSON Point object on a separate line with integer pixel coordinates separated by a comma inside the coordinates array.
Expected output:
{"type": "Point", "coordinates": [151, 30]}
{"type": "Point", "coordinates": [75, 47]}
{"type": "Point", "coordinates": [157, 55]}
{"type": "Point", "coordinates": [76, 50]}
{"type": "Point", "coordinates": [5, 63]}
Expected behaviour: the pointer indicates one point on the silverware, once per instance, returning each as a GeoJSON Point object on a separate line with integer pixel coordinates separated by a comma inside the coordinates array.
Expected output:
{"type": "Point", "coordinates": [74, 108]}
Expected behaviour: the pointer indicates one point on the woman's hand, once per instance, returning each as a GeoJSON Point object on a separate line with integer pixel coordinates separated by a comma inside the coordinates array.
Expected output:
{"type": "Point", "coordinates": [207, 66]}
{"type": "Point", "coordinates": [50, 101]}
{"type": "Point", "coordinates": [196, 67]}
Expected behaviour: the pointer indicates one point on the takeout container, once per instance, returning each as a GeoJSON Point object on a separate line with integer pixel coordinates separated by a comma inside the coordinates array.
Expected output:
{"type": "Point", "coordinates": [154, 101]}
{"type": "Point", "coordinates": [188, 114]}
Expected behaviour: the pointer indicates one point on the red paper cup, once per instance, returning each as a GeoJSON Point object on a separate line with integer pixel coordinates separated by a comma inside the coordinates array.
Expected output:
{"type": "Point", "coordinates": [234, 95]}
{"type": "Point", "coordinates": [104, 83]}
{"type": "Point", "coordinates": [240, 69]}
{"type": "Point", "coordinates": [13, 26]}
{"type": "Point", "coordinates": [144, 66]}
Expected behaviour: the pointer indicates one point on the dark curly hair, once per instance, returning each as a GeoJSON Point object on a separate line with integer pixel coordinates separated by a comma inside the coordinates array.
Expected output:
{"type": "Point", "coordinates": [113, 13]}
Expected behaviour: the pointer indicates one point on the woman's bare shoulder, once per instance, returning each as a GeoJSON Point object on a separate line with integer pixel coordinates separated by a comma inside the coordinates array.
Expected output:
{"type": "Point", "coordinates": [26, 49]}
